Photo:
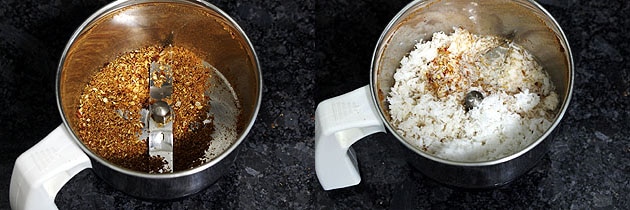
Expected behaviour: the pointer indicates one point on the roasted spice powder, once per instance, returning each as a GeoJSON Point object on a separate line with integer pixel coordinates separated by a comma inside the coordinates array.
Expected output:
{"type": "Point", "coordinates": [110, 105]}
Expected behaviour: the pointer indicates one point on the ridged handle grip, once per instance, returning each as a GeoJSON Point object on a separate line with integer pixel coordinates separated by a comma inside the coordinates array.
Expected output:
{"type": "Point", "coordinates": [340, 122]}
{"type": "Point", "coordinates": [41, 171]}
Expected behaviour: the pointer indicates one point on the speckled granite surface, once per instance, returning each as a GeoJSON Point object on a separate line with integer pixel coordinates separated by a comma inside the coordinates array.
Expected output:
{"type": "Point", "coordinates": [313, 50]}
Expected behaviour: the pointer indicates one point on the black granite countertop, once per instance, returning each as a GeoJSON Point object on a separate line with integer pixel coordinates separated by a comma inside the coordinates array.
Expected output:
{"type": "Point", "coordinates": [313, 50]}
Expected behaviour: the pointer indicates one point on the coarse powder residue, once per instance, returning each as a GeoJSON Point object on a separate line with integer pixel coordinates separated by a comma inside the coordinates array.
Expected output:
{"type": "Point", "coordinates": [426, 102]}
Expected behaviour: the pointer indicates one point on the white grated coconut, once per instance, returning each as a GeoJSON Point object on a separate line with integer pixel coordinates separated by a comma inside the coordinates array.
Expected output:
{"type": "Point", "coordinates": [426, 102]}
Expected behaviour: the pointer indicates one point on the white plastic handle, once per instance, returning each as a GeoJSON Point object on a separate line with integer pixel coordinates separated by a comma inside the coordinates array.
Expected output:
{"type": "Point", "coordinates": [340, 122]}
{"type": "Point", "coordinates": [41, 171]}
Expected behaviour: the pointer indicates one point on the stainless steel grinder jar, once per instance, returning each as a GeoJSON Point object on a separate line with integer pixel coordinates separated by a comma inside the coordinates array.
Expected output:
{"type": "Point", "coordinates": [119, 27]}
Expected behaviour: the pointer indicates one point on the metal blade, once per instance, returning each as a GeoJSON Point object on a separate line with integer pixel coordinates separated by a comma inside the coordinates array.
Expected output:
{"type": "Point", "coordinates": [161, 116]}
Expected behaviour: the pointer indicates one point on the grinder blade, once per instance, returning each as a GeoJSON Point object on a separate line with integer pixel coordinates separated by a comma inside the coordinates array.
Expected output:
{"type": "Point", "coordinates": [161, 115]}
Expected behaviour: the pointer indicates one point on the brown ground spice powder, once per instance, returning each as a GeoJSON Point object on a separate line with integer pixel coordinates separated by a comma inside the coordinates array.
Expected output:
{"type": "Point", "coordinates": [110, 105]}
